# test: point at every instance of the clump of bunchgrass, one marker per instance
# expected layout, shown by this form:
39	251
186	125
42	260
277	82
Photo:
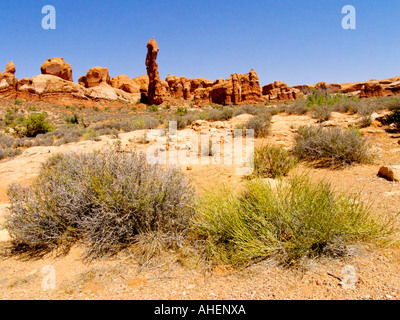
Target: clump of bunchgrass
272	162
288	221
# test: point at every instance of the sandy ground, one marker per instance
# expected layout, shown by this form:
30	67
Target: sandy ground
376	267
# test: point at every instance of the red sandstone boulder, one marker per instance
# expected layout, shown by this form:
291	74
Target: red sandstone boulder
57	67
123	82
95	77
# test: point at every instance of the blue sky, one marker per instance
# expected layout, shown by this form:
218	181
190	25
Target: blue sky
296	41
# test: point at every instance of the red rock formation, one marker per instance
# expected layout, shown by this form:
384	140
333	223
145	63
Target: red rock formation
372	88
123	82
158	89
8	82
238	89
57	67
280	91
95	77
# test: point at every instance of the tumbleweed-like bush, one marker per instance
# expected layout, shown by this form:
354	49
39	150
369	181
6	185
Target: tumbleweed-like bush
331	147
105	200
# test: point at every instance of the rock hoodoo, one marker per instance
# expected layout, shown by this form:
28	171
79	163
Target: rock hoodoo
157	91
8	82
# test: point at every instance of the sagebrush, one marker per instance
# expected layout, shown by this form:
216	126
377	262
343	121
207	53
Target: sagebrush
104	200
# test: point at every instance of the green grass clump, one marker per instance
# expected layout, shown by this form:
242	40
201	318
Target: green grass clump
331	147
289	221
272	162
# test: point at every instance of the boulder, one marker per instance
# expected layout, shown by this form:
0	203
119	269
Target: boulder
123	82
95	77
391	173
57	67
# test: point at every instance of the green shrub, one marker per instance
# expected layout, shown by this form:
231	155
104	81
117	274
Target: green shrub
104	200
331	147
153	108
34	124
181	111
272	162
289	221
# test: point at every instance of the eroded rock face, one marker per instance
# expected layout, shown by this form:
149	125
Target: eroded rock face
281	91
8	82
158	89
238	89
53	87
123	82
57	67
95	77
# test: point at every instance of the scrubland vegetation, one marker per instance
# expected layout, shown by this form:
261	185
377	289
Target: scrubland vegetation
111	200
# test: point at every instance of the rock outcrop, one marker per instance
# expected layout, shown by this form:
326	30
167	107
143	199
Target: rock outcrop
52	88
123	82
8	82
238	89
57	67
280	91
158	89
95	77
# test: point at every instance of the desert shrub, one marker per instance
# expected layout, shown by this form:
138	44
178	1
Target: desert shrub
91	134
185	120
288	221
298	107
260	124
181	111
72	119
321	112
217	114
34	124
390	103
346	106
9	152
104	200
272	162
246	109
153	108
331	147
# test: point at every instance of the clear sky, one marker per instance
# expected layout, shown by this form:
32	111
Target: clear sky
296	41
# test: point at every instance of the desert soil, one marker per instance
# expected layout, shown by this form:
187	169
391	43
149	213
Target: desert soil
377	266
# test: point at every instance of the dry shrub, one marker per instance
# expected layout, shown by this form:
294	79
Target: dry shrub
331	147
104	200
